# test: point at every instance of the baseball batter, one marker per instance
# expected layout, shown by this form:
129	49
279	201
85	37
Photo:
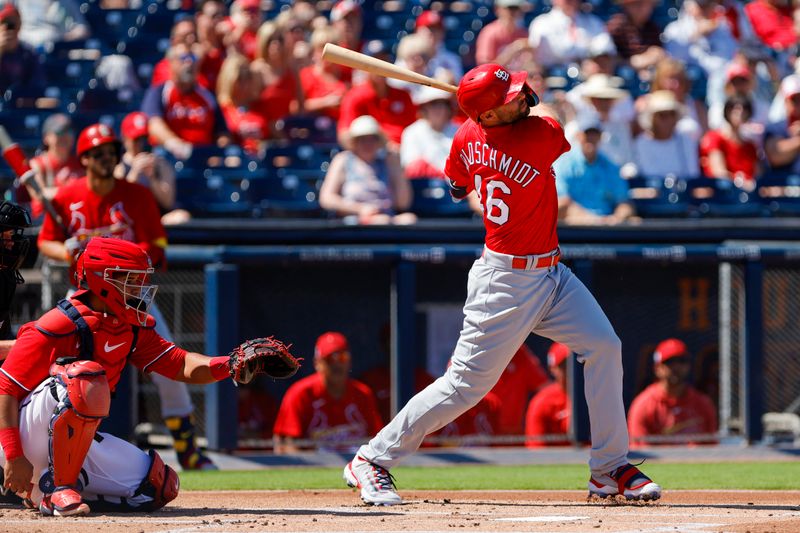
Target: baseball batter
57	382
517	287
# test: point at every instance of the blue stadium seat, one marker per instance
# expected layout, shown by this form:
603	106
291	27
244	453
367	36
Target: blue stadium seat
780	193
289	193
218	192
69	74
98	98
296	156
721	197
654	197
114	25
432	200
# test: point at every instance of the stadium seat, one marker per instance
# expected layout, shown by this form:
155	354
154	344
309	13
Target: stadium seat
98	98
780	193
654	197
432	200
114	25
289	193
218	192
721	197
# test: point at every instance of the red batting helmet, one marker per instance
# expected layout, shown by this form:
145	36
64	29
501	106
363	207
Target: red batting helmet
96	135
118	272
491	85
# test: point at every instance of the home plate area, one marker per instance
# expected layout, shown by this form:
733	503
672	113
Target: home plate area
538	511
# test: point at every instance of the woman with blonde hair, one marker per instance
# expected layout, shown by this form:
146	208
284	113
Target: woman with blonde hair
281	89
323	82
365	183
238	89
670	75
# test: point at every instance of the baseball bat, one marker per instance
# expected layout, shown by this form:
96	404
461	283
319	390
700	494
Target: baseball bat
15	158
349	58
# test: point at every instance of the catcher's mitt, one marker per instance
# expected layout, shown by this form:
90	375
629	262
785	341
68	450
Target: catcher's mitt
262	356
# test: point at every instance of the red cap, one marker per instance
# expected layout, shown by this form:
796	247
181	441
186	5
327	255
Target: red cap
737	70
134	125
249	4
329	343
488	86
557	353
342	8
668	349
8	10
429	18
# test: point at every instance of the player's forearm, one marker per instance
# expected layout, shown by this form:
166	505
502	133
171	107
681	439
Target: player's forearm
9	427
55	250
5	347
201	369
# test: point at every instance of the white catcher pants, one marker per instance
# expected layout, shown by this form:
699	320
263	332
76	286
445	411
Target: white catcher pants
503	307
113	468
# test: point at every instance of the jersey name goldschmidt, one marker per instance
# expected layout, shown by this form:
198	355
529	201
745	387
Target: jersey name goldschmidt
510	167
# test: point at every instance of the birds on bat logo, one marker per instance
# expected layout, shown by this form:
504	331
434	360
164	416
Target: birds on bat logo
501	74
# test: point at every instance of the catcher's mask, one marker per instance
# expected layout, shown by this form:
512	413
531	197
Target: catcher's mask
13	244
118	272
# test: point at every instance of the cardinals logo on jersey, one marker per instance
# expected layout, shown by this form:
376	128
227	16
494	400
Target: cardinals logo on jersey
121	223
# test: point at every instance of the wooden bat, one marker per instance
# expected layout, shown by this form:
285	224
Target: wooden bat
349	58
15	158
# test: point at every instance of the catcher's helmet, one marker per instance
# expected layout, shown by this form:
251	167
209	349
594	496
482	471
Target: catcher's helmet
13	244
96	135
118	272
490	85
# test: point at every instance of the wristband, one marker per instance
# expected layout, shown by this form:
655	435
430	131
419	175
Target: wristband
220	367
11	443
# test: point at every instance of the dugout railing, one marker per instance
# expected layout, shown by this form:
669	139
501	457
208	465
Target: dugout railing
735	305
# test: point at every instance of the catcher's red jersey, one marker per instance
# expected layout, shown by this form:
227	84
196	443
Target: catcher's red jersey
54	335
308	411
129	212
511	168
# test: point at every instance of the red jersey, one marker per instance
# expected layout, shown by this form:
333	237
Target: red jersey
511	167
548	414
379	380
129	212
394	112
54	335
316	86
308	411
772	24
740	158
55	174
654	412
483	419
194	116
276	98
522	377
249	126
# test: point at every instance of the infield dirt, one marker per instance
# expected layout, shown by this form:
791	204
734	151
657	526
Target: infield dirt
537	511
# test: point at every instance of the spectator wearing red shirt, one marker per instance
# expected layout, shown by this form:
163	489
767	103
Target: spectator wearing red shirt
182	113
392	108
19	65
184	31
323	82
725	152
549	411
240	28
281	94
237	94
328	406
671	406
210	32
522	377
58	164
501	40
347	20
772	22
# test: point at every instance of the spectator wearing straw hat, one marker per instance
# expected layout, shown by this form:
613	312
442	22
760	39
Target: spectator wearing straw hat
425	144
365	183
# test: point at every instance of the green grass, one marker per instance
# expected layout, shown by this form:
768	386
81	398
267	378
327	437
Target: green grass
756	476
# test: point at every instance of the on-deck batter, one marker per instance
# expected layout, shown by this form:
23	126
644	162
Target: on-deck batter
517	287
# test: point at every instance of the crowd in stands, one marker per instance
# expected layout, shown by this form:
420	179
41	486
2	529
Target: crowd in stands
674	92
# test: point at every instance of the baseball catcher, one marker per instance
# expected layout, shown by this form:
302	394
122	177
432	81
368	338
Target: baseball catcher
56	386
